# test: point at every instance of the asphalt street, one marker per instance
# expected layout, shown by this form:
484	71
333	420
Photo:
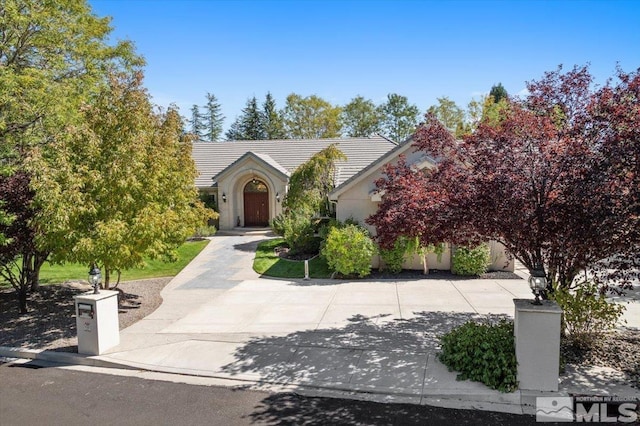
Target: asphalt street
31	394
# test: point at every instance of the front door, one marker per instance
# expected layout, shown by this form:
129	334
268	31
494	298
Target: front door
256	204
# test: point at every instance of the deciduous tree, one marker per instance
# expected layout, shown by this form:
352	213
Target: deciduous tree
20	258
361	118
119	187
400	118
311	118
555	179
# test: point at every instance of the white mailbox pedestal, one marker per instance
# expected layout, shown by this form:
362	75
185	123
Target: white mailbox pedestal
97	322
537	337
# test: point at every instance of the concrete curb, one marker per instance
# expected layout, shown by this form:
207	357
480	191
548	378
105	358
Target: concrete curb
68	358
444	398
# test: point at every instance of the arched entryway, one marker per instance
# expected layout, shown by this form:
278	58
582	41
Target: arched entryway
256	204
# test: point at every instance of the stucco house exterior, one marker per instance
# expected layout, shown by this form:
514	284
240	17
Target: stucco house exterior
249	179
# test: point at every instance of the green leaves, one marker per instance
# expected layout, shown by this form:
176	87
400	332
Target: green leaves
120	186
483	353
471	261
349	250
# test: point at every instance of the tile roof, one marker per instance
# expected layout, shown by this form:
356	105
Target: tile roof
286	155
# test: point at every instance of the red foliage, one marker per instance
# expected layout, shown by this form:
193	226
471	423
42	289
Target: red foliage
556	179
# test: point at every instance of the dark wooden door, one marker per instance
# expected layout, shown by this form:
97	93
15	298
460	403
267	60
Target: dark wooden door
256	209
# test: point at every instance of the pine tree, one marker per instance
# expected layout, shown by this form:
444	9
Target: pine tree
213	118
251	123
272	123
196	122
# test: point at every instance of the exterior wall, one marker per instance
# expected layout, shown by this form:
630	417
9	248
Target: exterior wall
232	186
356	203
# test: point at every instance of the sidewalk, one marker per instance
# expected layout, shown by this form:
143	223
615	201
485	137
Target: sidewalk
360	339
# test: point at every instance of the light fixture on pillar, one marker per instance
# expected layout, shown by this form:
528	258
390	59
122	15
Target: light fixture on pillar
537	283
94	278
224	197
278	197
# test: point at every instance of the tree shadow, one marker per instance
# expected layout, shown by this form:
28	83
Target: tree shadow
249	247
293	409
51	317
369	351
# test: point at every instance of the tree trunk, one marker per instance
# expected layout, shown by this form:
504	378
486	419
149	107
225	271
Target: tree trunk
425	265
106	278
22	299
34	276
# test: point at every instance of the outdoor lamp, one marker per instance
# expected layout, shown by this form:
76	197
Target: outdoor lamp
224	197
277	196
537	283
94	278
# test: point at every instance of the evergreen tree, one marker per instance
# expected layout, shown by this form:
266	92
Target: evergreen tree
213	118
196	122
234	133
272	124
251	123
498	93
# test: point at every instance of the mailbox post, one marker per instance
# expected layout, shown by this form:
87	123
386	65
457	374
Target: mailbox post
97	318
97	322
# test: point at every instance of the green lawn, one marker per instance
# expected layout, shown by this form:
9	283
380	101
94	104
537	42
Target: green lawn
50	274
269	264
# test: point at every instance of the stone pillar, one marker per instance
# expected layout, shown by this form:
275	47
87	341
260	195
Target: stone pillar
537	340
97	322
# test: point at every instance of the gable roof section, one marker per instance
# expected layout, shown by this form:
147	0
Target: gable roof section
376	166
211	158
260	158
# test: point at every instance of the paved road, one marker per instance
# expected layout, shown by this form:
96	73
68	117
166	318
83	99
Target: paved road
54	396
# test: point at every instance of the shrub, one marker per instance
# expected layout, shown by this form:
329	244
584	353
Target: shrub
349	250
277	224
483	353
394	258
471	261
205	231
586	313
298	233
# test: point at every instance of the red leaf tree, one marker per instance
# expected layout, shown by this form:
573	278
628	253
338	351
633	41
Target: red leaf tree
555	179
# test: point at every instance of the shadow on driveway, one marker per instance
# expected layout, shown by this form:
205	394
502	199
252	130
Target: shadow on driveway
368	353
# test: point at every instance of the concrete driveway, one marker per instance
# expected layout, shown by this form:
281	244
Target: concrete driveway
220	319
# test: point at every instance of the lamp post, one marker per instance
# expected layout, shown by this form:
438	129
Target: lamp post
94	278
537	283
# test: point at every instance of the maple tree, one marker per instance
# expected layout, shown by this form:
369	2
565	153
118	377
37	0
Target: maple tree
555	178
20	258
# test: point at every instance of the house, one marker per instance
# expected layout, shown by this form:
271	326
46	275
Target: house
249	179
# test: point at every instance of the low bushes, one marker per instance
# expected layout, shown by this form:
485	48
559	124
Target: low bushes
483	353
349	250
471	261
205	231
586	313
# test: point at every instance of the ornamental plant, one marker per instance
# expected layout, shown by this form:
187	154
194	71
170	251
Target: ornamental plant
349	250
482	352
471	261
554	177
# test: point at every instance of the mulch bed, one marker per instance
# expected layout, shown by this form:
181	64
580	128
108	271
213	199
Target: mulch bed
51	323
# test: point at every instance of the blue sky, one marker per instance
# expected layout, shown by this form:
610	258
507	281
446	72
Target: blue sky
340	49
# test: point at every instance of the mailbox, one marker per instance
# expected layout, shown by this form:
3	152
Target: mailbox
97	322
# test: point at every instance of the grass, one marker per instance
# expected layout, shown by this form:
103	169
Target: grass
51	274
268	263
